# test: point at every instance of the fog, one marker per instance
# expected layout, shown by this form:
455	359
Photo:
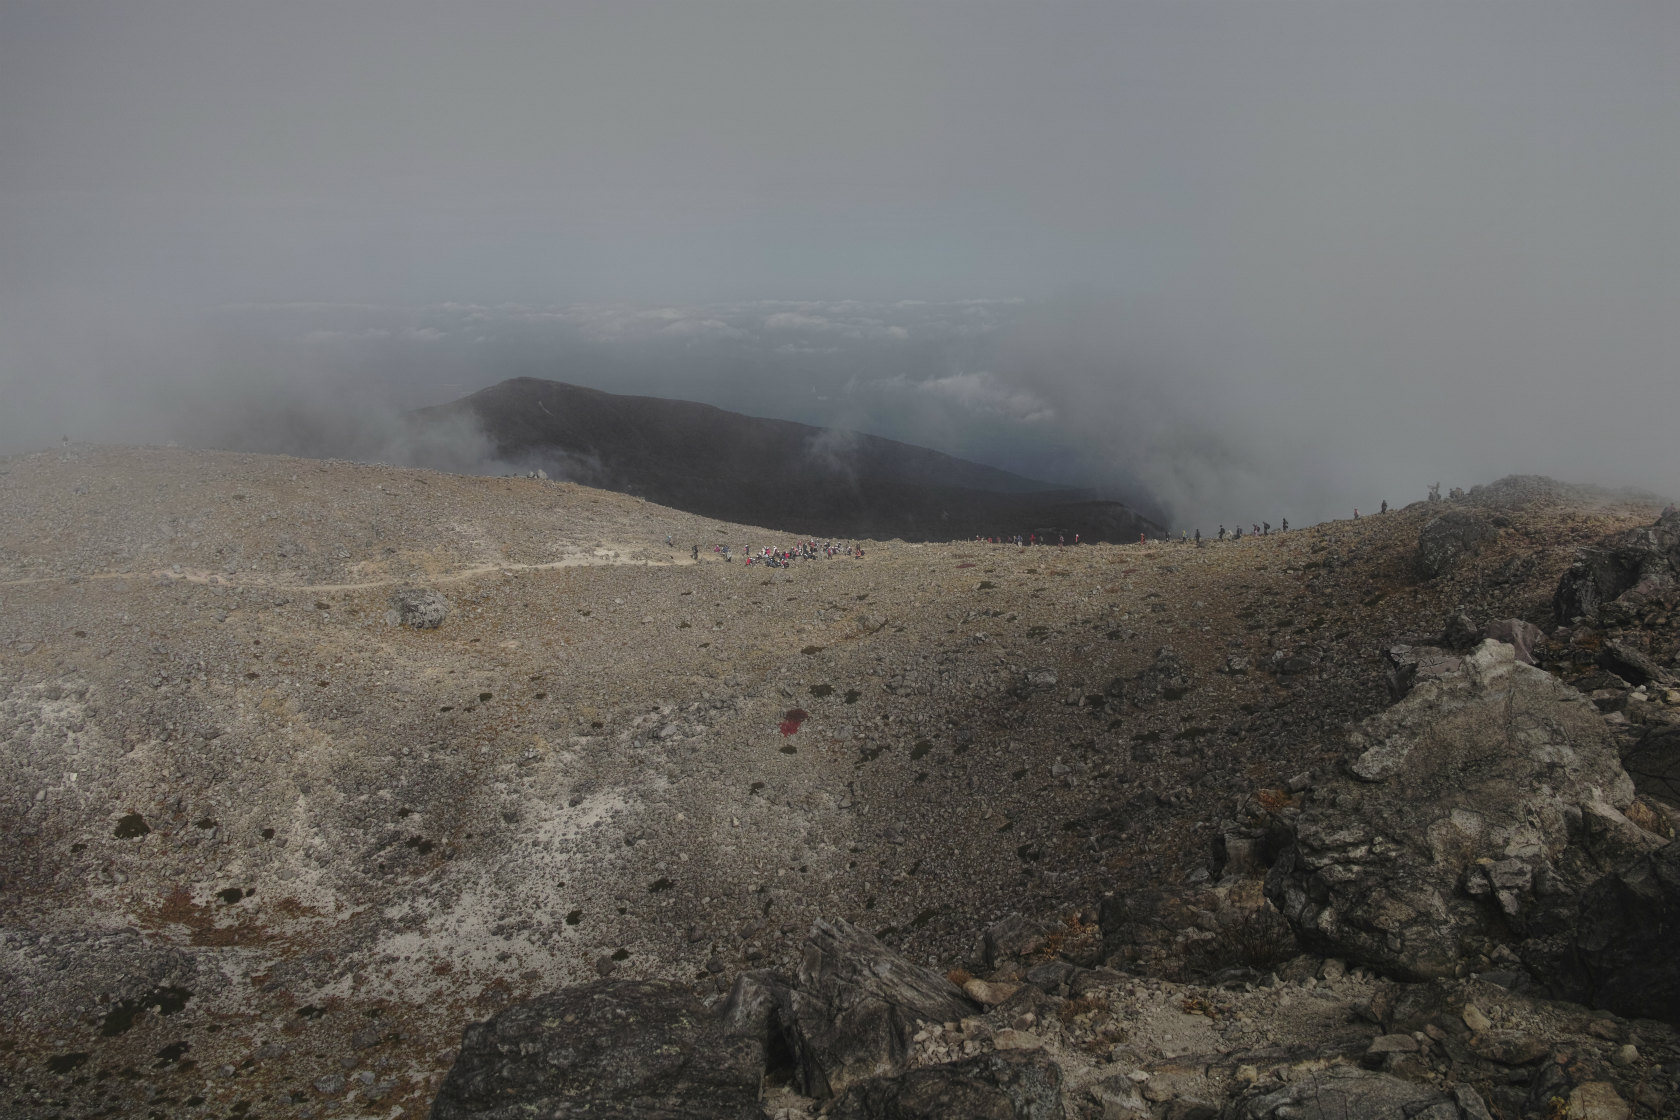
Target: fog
1237	261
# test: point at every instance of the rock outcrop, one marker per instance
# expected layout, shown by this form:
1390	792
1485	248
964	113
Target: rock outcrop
1472	816
855	1008
1653	761
1623	576
1000	1085
615	1048
1623	954
1344	1091
1447	538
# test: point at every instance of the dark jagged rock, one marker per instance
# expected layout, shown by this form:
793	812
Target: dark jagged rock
1623	576
1629	664
1001	1085
1447	538
1011	938
1473	814
1409	664
1460	634
1623	954
1343	1091
1653	762
615	1048
855	1010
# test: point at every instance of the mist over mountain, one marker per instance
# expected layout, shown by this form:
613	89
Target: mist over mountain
821	481
1248	262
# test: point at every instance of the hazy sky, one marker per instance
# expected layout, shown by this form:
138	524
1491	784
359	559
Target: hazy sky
1265	257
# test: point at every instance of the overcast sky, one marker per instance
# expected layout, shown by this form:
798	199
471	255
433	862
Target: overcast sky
1248	257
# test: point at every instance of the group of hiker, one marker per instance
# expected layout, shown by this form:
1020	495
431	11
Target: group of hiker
783	557
1256	529
803	550
816	550
1024	540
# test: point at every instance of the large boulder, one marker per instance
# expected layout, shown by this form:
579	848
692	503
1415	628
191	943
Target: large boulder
1623	955
1624	575
1001	1085
420	607
1448	537
1472	814
1653	762
854	1012
1343	1091
612	1049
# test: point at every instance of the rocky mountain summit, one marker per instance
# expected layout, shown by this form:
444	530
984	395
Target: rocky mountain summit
342	790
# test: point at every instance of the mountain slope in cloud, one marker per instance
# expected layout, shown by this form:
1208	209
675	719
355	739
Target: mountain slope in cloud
820	481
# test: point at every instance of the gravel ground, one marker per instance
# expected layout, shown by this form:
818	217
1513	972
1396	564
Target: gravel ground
268	854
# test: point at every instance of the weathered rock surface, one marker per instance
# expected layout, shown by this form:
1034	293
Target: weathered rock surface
1623	576
855	1010
1653	762
1623	953
423	608
1342	1092
1447	538
1474	813
1524	637
1001	1085
615	1048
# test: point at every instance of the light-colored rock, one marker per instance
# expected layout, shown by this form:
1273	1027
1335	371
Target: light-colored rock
1012	1039
1455	824
989	993
1597	1100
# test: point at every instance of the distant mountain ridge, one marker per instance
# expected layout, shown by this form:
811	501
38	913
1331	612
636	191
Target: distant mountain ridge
777	473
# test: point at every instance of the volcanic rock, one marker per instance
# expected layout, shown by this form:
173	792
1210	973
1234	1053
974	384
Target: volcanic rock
615	1048
856	1006
1006	1085
1623	955
1343	1091
1653	761
1524	637
1447	538
420	607
1474	812
1624	575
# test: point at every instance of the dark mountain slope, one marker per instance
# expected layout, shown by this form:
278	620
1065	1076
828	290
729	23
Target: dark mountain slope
825	482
